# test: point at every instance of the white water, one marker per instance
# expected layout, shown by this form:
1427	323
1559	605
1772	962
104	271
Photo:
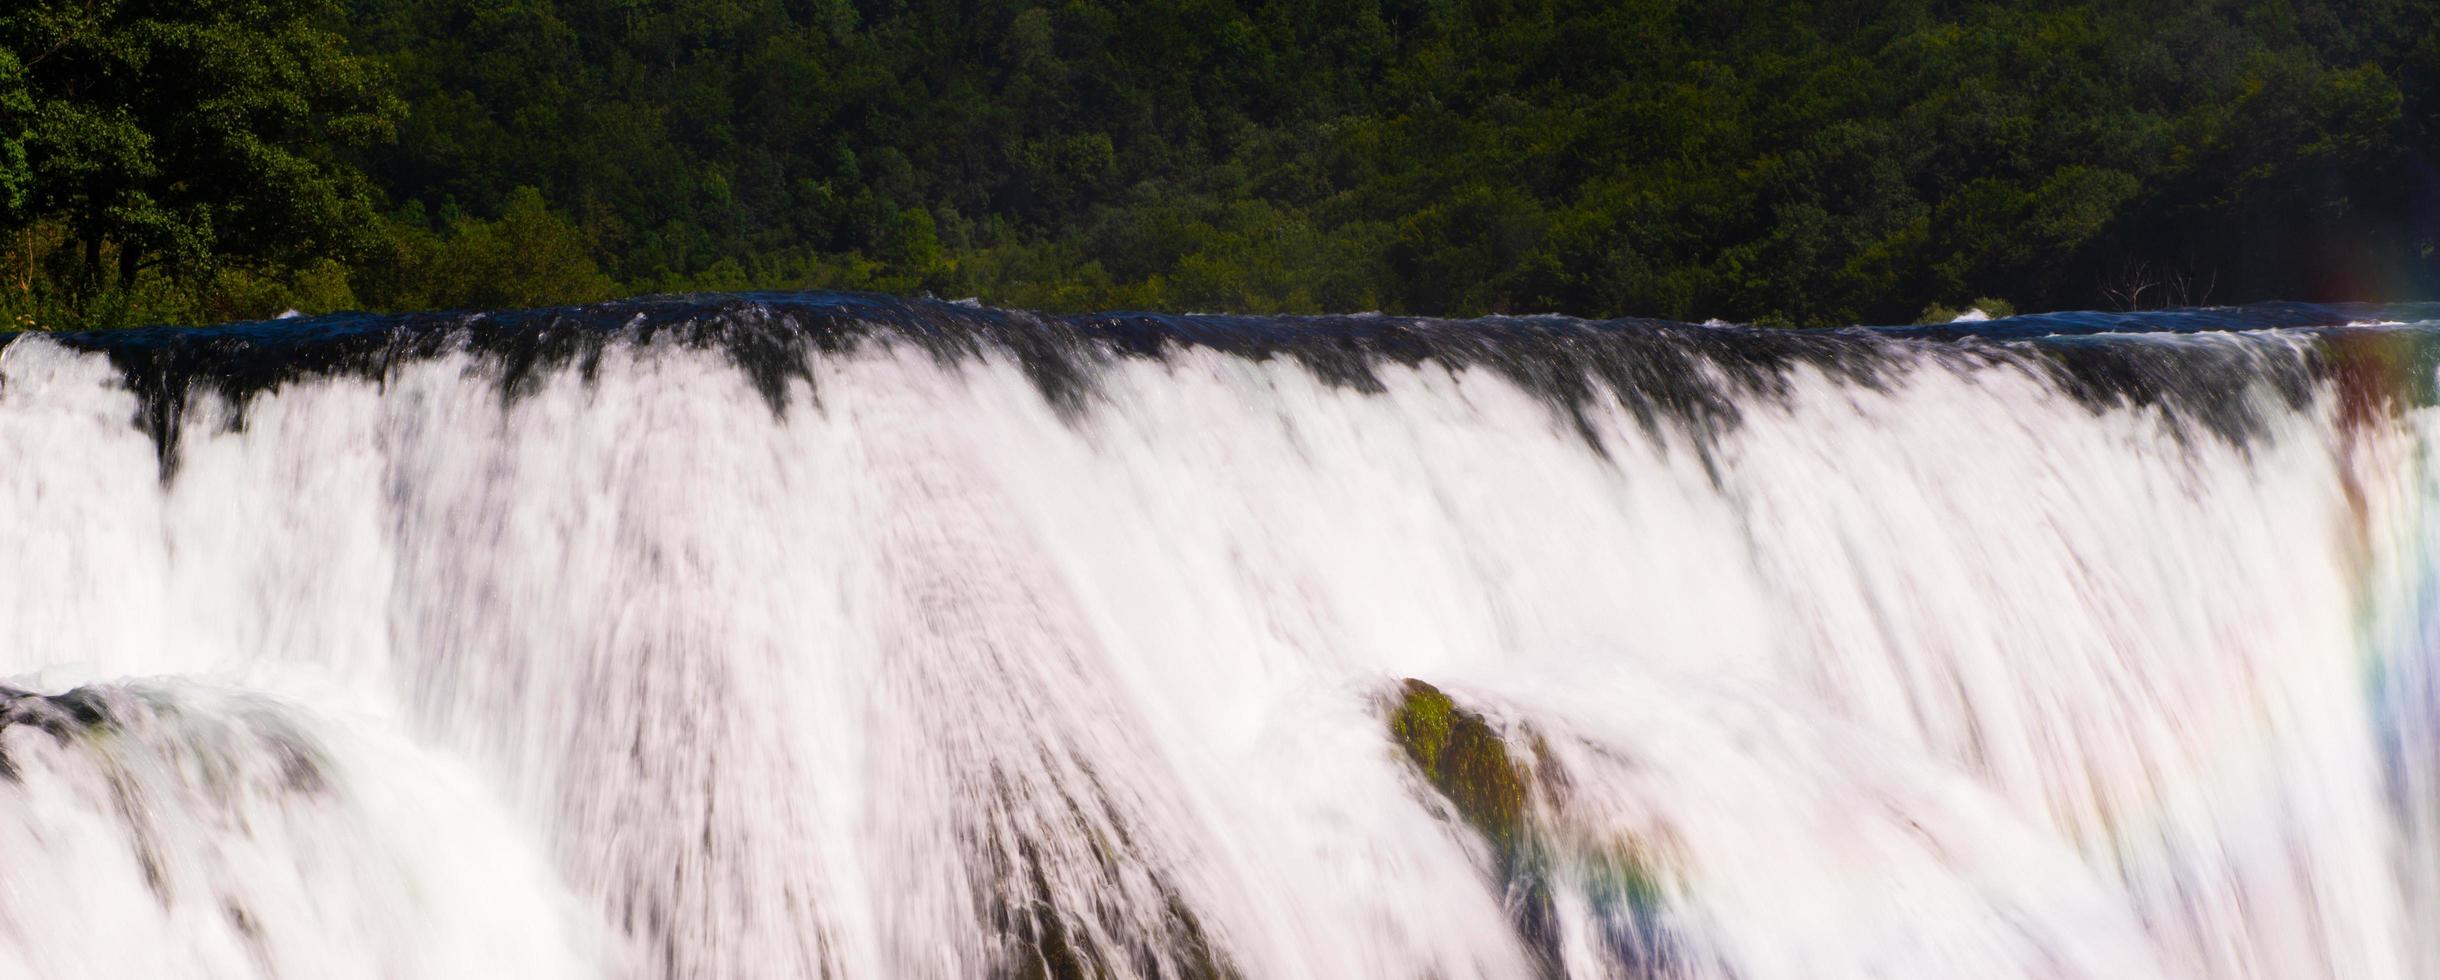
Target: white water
636	679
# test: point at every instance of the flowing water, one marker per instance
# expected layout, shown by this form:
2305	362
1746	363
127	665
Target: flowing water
828	635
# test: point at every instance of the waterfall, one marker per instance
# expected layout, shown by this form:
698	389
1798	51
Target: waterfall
837	636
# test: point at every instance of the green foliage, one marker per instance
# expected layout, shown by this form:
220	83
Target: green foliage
529	256
185	136
16	117
1800	164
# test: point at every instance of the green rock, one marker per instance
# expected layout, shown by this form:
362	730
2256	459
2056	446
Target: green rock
1466	759
1472	765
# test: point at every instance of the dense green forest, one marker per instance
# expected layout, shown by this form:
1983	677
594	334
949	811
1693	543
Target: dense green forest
1758	160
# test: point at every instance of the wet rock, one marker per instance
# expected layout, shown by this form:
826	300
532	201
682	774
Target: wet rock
61	716
1047	933
1464	758
1506	789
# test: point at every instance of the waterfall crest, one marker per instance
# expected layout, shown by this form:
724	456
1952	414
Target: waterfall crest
832	635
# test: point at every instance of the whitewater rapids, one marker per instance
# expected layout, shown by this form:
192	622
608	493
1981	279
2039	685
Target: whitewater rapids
720	640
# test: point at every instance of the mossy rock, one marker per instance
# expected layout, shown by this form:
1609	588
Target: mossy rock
1488	781
1466	759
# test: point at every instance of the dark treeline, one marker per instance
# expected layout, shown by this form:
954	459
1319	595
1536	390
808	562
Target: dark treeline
1798	163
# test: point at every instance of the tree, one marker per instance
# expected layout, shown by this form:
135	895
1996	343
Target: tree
527	258
188	134
1807	164
16	111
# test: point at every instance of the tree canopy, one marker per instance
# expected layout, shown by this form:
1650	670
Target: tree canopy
1798	163
180	136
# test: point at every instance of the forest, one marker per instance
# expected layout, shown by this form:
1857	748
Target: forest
1779	163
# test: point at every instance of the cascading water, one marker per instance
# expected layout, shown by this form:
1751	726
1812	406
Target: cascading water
793	636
